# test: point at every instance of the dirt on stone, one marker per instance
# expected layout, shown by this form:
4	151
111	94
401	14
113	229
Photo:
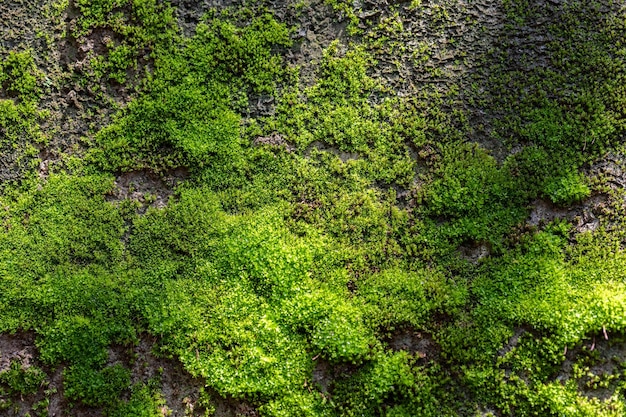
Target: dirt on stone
419	344
20	348
274	140
326	374
608	179
584	216
17	347
594	363
475	251
183	395
146	187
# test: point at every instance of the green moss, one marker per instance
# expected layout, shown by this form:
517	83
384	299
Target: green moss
256	305
136	30
96	388
347	11
145	401
336	112
20	132
22	380
189	116
567	190
303	239
399	298
390	385
18	76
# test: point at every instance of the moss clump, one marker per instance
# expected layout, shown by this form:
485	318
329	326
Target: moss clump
19	114
18	77
568	189
189	117
19	380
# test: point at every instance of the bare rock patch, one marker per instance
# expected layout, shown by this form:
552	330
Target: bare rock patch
146	187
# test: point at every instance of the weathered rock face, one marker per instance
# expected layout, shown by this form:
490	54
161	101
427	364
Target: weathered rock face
182	394
436	50
442	52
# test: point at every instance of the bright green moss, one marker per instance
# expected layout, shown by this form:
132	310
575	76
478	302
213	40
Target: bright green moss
557	303
568	189
96	388
22	381
399	298
306	404
189	116
19	124
249	295
305	238
145	401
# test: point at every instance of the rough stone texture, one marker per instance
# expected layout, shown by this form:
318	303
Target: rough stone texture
180	390
417	343
146	187
17	347
604	354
